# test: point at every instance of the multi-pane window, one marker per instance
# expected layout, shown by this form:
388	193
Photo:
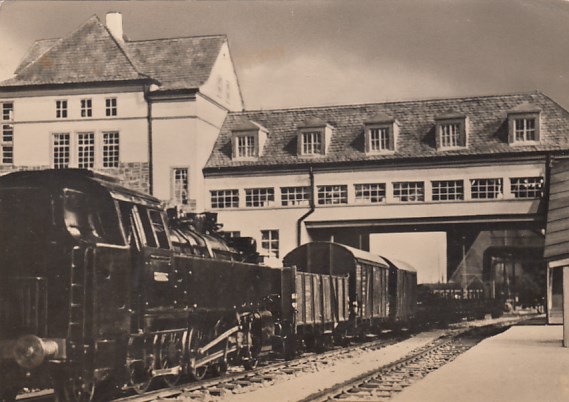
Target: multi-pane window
482	189
332	195
61	150
111	149
180	185
409	191
450	135
312	143
61	109
270	243
7	154
7	111
245	146
379	139
525	129
7	143
224	199
110	106
86	108
294	196
370	193
259	197
448	190
85	150
527	187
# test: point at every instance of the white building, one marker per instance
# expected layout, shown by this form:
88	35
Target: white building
146	111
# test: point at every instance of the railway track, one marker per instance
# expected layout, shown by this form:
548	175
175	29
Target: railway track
241	381
383	383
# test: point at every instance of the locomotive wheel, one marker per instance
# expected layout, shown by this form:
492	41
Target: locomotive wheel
140	377
171	355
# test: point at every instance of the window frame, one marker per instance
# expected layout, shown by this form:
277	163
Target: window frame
273	251
401	198
111	106
461	138
61	109
253	148
362	199
438	196
513	118
7	111
7	144
55	154
185	187
85	150
109	158
475	193
229	194
86	107
260	197
304	145
339	196
290	196
516	192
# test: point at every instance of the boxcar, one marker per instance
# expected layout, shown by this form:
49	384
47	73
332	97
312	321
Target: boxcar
368	273
402	292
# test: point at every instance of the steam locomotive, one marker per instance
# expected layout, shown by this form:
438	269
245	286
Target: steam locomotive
100	290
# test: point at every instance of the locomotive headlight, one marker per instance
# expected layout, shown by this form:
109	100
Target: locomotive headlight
30	351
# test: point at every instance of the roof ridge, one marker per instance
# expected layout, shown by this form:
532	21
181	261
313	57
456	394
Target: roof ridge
417	100
58	42
124	52
20	67
178	38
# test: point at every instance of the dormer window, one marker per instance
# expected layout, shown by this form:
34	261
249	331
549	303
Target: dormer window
451	131
314	137
380	133
248	139
312	143
524	124
246	146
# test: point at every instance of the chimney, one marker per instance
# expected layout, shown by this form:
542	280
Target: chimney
114	25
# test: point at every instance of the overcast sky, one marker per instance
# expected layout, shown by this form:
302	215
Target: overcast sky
290	54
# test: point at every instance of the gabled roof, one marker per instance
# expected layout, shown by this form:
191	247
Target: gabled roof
91	55
180	63
488	131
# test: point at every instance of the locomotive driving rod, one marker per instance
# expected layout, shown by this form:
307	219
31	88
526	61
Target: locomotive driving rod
220	338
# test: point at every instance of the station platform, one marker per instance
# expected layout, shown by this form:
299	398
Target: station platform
526	363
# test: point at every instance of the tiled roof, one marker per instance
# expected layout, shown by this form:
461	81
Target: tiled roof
488	130
91	54
181	63
38	48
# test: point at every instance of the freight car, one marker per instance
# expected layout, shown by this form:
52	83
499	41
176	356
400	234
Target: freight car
450	302
99	292
382	293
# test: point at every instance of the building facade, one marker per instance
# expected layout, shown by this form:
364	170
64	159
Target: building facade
147	112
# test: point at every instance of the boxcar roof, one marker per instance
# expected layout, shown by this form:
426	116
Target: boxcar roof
402	265
360	254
